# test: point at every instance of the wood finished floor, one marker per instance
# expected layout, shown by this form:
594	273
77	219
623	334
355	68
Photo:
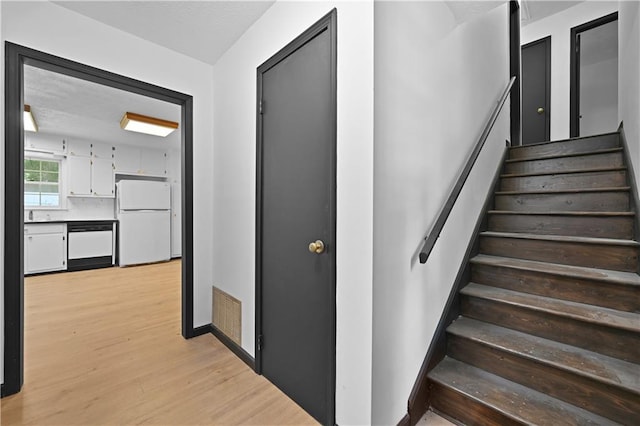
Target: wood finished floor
103	347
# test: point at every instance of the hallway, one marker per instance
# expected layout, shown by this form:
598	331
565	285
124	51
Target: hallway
104	347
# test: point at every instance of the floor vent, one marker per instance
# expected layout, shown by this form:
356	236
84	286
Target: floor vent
227	314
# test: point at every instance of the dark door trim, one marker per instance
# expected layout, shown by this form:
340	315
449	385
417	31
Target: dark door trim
326	23
574	88
514	71
16	57
547	88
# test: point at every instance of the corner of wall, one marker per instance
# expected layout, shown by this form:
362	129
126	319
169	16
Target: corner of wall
629	79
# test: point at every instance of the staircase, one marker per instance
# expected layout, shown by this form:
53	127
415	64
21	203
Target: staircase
549	331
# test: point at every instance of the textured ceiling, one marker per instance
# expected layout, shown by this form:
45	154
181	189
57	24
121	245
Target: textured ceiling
533	10
200	29
71	107
466	10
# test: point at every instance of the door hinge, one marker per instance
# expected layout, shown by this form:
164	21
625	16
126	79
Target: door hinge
260	342
261	106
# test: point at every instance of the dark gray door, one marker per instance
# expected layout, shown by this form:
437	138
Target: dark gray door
296	196
536	91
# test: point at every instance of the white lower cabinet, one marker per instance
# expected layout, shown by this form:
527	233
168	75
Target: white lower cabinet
45	247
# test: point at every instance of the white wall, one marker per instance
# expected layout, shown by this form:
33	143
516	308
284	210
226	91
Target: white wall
559	26
599	97
435	85
47	27
234	181
628	77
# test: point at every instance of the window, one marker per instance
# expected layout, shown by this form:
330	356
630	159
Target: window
41	183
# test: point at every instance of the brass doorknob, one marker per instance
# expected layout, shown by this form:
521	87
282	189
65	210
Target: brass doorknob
540	110
316	247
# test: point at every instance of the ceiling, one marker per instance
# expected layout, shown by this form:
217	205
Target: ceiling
75	108
71	107
534	10
203	30
531	10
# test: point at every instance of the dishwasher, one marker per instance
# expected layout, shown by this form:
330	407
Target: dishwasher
90	245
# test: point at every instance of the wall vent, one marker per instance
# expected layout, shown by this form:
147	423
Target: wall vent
227	315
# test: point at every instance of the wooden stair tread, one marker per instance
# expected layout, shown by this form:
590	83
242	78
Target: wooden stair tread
581	272
561	308
560	213
565	172
511	399
560	141
554	156
602	368
561	238
566	191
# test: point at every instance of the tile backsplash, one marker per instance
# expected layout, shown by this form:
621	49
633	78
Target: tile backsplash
77	208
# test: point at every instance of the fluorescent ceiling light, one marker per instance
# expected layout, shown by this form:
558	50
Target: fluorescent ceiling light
29	122
149	125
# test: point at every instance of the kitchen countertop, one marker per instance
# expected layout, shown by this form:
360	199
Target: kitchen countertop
37	222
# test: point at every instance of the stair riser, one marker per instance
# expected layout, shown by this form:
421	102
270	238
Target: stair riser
615	257
586	202
608	295
610	179
465	409
613	159
566	147
610	341
585	226
606	400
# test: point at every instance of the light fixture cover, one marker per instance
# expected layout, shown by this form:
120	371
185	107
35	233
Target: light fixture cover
145	124
29	122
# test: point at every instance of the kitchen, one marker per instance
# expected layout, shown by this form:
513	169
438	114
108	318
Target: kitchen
97	195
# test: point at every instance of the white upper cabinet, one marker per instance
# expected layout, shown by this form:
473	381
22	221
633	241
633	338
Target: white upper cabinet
90	170
45	143
140	161
79	173
127	159
77	148
102	150
153	162
102	177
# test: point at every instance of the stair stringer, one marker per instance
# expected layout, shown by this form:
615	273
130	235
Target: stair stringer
418	402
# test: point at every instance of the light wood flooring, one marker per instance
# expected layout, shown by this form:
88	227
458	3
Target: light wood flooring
104	347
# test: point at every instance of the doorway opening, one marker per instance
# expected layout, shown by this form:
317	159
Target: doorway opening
16	58
594	77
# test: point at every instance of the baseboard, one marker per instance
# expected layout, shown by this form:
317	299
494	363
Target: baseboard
405	421
199	331
233	347
418	402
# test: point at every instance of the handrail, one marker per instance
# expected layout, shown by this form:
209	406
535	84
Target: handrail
436	229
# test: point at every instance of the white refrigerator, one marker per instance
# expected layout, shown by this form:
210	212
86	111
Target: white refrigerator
143	210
